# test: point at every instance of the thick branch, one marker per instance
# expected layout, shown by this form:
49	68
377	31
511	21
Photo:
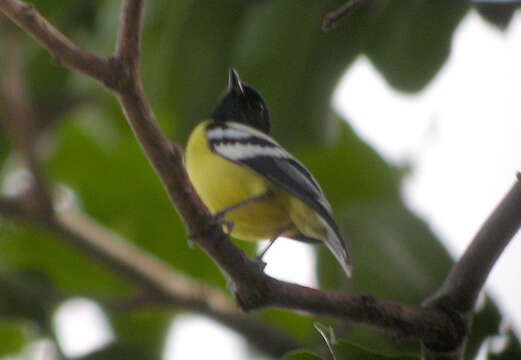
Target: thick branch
397	319
459	292
466	279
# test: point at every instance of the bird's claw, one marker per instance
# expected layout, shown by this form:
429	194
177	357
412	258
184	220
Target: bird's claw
260	263
226	223
191	241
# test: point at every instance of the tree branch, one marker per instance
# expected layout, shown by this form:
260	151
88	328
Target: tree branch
19	121
253	288
162	285
166	286
63	50
127	48
467	277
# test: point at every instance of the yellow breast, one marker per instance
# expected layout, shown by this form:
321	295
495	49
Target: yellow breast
221	183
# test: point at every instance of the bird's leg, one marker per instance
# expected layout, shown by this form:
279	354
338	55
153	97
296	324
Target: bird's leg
222	213
219	216
258	259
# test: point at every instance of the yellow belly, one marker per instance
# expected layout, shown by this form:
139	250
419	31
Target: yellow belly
221	183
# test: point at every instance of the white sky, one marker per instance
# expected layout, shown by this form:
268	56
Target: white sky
462	135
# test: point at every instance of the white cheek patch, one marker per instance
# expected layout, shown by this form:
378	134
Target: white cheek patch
238	151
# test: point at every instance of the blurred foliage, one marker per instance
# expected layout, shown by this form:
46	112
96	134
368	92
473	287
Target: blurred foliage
188	45
347	350
145	329
301	355
12	338
118	351
499	13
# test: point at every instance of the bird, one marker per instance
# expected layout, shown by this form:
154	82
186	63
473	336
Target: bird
252	183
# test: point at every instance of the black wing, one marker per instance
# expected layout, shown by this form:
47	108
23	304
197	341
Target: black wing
258	152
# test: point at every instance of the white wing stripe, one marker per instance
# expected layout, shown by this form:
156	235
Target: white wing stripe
235	131
226	133
238	151
251	132
241	143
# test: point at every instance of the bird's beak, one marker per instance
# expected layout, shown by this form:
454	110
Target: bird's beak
234	82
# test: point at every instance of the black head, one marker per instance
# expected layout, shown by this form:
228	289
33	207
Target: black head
242	103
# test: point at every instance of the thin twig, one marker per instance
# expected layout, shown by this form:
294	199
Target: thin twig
331	20
127	48
63	50
19	120
110	249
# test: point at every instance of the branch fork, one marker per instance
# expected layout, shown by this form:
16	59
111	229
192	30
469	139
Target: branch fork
442	324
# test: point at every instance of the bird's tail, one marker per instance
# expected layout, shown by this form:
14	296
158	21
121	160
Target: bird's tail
336	244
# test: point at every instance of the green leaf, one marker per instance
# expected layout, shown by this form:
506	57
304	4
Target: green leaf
296	70
118	351
12	338
191	42
301	355
30	248
410	40
4	146
300	326
344	350
388	259
25	295
144	328
115	184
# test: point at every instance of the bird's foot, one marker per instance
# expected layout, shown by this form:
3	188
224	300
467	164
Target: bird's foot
227	225
259	262
230	285
190	239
